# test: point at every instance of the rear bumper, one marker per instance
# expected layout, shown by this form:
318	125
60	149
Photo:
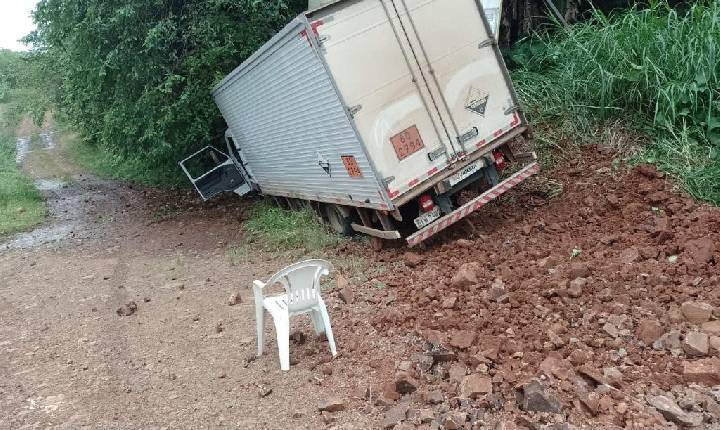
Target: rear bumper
473	205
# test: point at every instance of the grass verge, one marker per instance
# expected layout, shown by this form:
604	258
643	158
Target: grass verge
105	164
21	204
657	70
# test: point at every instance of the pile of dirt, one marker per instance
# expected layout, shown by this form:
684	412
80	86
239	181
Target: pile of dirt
594	308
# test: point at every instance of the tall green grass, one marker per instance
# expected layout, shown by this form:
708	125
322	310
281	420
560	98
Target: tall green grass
656	69
275	228
21	205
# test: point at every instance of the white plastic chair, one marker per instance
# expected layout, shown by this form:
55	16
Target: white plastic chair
302	295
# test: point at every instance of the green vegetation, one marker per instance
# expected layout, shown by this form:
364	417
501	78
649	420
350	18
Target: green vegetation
133	78
274	228
656	72
21	205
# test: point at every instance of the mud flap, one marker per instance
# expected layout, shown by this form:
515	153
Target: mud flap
212	172
473	205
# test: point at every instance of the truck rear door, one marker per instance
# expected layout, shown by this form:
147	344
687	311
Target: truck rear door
456	47
367	53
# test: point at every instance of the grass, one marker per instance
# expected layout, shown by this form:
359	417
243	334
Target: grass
21	204
293	233
105	164
656	71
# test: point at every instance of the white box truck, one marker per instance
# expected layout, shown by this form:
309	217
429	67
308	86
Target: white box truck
377	113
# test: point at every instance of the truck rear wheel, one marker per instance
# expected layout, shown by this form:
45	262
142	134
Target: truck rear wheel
339	220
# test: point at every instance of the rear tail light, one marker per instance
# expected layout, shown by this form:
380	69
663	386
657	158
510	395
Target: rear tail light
500	162
426	203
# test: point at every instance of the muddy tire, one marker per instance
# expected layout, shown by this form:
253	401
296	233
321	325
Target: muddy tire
338	221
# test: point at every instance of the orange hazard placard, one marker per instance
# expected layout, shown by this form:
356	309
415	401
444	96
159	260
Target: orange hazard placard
351	166
407	142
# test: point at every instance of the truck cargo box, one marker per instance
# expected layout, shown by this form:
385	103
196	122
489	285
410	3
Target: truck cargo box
370	103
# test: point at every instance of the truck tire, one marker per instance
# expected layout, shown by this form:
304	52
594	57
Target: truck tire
338	220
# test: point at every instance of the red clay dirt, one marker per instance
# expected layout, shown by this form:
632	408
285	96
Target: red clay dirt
573	291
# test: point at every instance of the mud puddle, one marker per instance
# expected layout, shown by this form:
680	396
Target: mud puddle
76	206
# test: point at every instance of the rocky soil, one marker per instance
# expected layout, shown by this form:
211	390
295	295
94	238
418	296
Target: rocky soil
595	309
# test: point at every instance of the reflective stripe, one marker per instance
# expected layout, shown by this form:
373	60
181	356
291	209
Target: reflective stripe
473	205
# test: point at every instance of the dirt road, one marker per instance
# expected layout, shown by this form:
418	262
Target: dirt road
593	309
185	358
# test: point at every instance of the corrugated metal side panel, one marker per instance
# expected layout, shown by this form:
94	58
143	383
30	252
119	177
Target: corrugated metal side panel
285	113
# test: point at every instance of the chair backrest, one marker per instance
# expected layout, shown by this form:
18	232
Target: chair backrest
302	283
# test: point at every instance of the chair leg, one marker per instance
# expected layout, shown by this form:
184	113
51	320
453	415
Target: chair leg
318	323
328	328
282	328
260	323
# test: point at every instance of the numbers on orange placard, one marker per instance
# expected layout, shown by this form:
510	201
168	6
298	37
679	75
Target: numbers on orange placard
407	142
351	166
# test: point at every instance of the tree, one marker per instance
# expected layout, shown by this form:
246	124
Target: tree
134	77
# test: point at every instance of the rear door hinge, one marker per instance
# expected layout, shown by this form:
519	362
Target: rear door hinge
353	110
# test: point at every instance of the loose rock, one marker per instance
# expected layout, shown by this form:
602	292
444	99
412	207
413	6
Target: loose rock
648	331
671	411
696	312
705	371
465	277
234	299
332	405
696	344
475	385
532	397
127	309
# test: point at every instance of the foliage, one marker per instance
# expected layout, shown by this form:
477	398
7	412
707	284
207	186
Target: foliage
133	78
656	68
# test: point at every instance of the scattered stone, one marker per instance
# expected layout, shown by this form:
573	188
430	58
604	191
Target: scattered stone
423	362
714	343
462	339
696	344
465	243
700	251
454	421
395	415
175	286
705	371
671	411
576	287
219	327
147	299
532	397
332	404
434	397
497	291
449	303
345	293
404	383
264	391
127	309
630	256
475	385
712	328
554	366
412	259
670	340
465	277
326	369
611	330
298	337
457	372
696	312
648	331
234	299
613	375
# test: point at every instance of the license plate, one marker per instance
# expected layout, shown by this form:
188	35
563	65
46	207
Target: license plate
427	218
466	172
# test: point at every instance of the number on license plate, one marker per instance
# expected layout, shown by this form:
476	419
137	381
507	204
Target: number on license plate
427	218
465	173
